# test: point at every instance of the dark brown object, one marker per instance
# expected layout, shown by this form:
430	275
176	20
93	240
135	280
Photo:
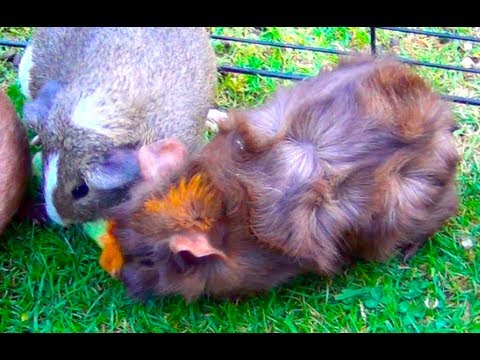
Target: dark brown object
14	161
354	163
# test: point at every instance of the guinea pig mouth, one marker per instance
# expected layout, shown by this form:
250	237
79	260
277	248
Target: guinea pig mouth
139	282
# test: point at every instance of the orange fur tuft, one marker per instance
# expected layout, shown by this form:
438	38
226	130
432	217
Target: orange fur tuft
192	204
111	259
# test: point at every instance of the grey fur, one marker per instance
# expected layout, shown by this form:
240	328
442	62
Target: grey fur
148	84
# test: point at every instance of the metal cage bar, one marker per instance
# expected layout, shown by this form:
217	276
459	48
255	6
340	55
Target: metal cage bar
13	43
373	50
444	35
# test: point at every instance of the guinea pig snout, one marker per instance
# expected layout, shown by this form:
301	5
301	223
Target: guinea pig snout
139	280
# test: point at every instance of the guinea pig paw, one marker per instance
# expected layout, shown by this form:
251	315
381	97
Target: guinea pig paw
410	250
33	211
214	117
38	214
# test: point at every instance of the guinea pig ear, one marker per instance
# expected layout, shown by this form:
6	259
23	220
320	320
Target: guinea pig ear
161	158
195	243
118	169
36	111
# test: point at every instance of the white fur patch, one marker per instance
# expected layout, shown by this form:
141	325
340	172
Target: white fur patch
50	186
214	117
26	64
86	115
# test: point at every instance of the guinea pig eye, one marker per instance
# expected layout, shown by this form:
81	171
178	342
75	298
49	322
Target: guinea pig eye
80	190
239	148
240	145
147	262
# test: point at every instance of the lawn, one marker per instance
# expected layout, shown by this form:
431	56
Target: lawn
50	280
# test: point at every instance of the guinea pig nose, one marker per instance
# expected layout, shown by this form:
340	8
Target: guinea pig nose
80	190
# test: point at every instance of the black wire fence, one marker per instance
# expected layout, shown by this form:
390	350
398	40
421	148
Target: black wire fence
374	49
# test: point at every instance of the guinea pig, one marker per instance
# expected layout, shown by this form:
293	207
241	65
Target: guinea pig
96	95
187	238
355	163
14	161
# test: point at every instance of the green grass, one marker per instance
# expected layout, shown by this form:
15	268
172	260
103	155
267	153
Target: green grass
50	280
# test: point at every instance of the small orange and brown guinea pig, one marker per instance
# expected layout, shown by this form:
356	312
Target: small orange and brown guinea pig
355	163
14	161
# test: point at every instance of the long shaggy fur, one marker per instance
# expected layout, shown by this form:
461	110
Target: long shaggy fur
358	162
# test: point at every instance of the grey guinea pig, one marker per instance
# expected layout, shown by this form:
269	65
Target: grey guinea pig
14	161
98	94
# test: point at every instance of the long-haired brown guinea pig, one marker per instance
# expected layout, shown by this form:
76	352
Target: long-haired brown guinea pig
14	161
355	163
